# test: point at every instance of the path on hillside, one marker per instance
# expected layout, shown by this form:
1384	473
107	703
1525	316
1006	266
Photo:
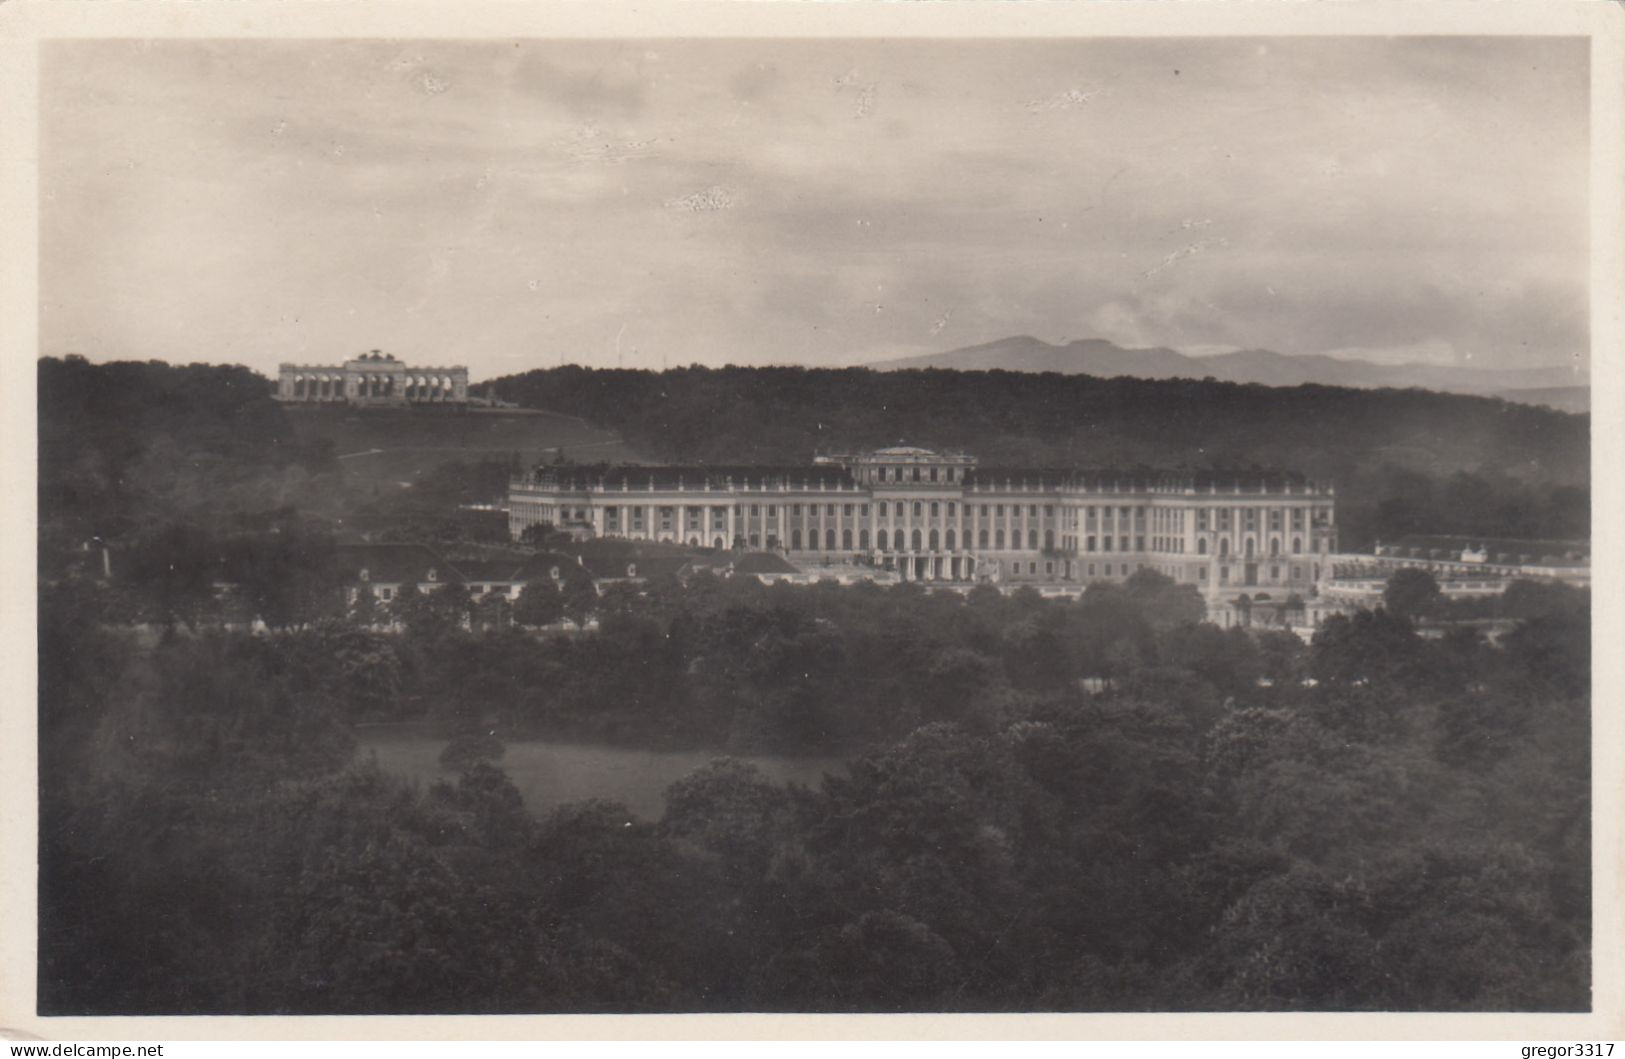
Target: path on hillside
471	449
396	446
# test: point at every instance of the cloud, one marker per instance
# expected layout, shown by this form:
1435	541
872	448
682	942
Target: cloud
614	88
1435	351
589	144
706	200
431	83
755	82
1071	99
1173	257
863	91
1304	195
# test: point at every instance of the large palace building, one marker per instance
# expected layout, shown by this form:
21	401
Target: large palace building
934	516
372	380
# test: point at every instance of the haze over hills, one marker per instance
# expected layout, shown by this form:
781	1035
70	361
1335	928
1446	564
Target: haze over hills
1575	399
1558	387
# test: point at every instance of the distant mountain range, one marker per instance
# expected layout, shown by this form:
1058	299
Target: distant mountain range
1556	387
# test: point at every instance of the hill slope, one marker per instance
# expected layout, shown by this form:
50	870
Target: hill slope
398	445
126	448
1575	399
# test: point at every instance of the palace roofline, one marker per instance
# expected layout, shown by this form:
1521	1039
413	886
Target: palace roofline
658	477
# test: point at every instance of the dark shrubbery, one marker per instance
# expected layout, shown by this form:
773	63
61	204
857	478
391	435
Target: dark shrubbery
1408	832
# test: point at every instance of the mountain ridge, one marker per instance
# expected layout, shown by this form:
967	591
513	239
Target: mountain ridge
1099	357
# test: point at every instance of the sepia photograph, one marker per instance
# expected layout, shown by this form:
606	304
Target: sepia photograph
834	523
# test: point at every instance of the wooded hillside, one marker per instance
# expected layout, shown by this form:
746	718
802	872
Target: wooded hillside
1402	459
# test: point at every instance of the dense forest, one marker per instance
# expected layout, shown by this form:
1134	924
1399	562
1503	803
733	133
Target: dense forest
1403	461
128	445
1095	804
128	449
193	472
1220	820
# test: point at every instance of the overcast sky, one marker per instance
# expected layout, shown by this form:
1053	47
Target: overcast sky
511	205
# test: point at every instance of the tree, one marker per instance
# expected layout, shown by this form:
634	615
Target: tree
1368	647
880	961
359	668
286	574
431	609
1228	659
365	611
1280	655
1296	942
1411	593
729	810
1553	650
539	604
544	535
171	574
491	611
958	683
1530	599
1163	601
580	596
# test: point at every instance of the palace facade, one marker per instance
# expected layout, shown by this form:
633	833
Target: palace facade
935	516
373	379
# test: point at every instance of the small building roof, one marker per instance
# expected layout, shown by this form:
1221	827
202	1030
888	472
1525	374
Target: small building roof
610	558
395	564
1559	550
615	566
512	569
540	567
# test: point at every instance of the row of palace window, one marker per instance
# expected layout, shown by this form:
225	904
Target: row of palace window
1247	548
919	540
896	509
829	509
975	510
830	540
1224	574
667	514
1165	519
1032	568
1094	543
985	538
1226	518
1124	569
1123	514
916	474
